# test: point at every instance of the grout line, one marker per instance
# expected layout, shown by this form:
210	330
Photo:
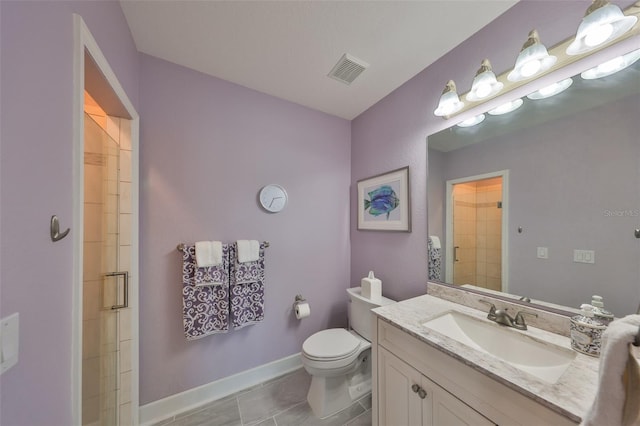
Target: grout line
239	410
359	415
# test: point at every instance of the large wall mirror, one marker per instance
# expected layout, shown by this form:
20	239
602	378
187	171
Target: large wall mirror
544	202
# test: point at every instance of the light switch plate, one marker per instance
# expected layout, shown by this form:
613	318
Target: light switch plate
543	252
9	341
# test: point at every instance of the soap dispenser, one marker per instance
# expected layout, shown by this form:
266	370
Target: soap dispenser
599	311
586	331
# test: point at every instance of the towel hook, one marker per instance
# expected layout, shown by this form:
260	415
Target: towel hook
55	229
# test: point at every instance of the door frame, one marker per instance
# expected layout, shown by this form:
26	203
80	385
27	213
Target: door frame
84	41
504	174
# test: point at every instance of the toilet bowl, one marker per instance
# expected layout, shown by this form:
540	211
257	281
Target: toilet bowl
339	360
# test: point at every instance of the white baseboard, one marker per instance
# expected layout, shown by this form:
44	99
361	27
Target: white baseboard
192	398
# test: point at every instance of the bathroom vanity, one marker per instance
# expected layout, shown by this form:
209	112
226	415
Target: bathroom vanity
425	375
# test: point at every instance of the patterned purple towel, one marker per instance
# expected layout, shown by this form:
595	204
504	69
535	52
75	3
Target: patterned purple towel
205	306
434	261
247	289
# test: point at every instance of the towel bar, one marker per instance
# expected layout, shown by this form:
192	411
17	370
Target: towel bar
180	246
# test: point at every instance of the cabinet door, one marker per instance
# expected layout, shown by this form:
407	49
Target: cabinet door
400	400
450	411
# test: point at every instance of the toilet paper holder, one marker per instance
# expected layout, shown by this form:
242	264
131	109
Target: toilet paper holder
299	299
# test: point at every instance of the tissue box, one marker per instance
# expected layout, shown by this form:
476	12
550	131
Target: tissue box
371	287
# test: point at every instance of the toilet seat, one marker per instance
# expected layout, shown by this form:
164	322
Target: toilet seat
331	345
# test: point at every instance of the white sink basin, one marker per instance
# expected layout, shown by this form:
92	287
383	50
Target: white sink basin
544	361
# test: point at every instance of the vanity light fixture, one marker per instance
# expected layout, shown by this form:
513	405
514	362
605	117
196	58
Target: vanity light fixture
551	90
484	84
612	66
603	22
449	101
469	122
532	60
507	108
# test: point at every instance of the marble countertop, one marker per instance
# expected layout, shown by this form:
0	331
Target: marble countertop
571	396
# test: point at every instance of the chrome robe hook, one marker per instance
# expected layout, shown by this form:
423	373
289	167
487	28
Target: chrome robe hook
55	229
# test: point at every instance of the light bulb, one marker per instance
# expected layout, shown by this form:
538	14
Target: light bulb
546	91
602	23
484	83
611	65
530	68
483	90
598	35
507	108
551	90
532	60
449	101
472	121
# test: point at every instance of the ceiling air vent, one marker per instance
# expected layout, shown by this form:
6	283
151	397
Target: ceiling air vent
347	69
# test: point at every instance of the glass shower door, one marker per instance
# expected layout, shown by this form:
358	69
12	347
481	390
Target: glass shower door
477	233
104	286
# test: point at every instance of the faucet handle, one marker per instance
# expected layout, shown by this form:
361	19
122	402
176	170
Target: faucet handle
492	309
519	320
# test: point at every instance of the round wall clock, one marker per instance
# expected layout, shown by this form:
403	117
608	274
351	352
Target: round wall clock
273	198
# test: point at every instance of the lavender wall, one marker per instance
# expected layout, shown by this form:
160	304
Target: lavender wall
36	175
393	133
562	182
208	146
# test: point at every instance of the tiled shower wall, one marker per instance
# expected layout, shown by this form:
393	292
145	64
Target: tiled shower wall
465	224
478	233
489	234
106	333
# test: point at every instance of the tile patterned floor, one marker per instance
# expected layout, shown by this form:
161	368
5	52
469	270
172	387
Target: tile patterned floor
278	402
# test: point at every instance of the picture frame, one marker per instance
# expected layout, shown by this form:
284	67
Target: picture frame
384	202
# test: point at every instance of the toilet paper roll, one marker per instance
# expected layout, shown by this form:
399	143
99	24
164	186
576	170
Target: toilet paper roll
302	310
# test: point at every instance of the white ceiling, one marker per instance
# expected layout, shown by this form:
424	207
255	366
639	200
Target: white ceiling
287	48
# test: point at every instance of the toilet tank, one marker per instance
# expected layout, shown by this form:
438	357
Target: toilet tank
360	311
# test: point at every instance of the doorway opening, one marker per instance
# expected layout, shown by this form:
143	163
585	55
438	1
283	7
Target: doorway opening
476	231
105	318
106	325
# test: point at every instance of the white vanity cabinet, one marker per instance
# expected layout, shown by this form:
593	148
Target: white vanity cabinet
454	393
410	399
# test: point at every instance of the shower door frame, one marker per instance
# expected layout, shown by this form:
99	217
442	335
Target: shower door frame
449	245
84	42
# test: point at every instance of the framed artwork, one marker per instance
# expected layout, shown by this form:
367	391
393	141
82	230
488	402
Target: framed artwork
383	202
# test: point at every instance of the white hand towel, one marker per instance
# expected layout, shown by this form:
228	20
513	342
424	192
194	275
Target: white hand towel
248	251
208	253
607	408
631	412
435	242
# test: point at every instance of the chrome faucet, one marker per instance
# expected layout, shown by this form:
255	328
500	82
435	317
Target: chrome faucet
501	316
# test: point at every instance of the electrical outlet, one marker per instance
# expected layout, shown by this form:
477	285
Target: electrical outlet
584	256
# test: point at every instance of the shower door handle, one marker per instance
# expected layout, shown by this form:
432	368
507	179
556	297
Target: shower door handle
125	299
455	254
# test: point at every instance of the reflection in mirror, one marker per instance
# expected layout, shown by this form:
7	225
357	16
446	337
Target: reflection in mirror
560	226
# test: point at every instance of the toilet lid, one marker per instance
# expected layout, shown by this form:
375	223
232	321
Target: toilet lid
332	343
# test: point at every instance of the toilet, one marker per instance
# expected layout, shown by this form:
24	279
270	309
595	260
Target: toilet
339	360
